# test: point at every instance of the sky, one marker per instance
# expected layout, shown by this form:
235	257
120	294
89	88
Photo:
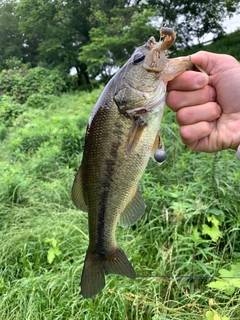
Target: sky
232	24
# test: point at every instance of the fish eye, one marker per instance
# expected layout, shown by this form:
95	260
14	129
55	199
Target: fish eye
138	57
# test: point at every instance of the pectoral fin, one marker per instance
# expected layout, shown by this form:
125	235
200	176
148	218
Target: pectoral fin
135	134
133	211
77	192
177	66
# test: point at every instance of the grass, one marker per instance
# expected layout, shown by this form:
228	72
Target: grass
44	238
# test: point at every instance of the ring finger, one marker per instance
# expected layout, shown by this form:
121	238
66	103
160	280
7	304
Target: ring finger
209	111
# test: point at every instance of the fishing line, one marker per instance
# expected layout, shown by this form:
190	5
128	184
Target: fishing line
186	277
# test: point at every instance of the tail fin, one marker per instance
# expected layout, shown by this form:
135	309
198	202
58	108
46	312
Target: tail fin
96	266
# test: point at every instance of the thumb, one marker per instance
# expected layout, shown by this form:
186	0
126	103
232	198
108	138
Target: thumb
213	63
205	60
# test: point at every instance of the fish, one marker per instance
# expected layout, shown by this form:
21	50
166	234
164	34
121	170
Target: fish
121	135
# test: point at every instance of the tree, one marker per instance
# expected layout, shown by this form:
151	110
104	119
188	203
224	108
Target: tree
11	39
96	36
56	30
194	19
120	26
117	28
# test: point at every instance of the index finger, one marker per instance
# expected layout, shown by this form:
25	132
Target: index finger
188	81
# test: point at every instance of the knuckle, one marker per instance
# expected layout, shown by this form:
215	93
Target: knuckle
184	116
186	134
214	111
172	99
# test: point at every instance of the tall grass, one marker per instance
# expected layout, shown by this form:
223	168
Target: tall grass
189	232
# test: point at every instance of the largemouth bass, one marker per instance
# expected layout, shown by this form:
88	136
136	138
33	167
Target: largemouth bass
122	134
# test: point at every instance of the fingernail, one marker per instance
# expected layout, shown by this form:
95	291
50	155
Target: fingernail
212	93
201	79
219	110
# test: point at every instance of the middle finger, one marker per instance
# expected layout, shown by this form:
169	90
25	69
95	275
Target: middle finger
179	99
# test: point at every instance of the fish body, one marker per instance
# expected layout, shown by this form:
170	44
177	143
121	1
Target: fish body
121	135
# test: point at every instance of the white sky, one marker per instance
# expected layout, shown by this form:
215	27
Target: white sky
232	24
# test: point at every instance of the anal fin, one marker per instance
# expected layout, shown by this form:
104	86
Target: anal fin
133	211
77	192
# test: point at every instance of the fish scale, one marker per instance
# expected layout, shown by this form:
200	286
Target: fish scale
122	134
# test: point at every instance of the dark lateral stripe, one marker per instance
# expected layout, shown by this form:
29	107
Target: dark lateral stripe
106	185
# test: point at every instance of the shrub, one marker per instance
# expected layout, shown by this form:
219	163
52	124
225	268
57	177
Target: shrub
38	101
9	110
72	143
3	132
28	140
22	83
14	184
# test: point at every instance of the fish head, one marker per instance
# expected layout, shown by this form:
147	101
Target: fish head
140	85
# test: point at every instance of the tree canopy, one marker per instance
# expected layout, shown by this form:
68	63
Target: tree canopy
96	36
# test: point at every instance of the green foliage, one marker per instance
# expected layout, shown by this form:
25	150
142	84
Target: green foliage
3	132
14	63
39	101
53	251
114	40
213	315
54	32
72	142
11	38
28	140
9	109
96	37
212	231
23	83
193	19
229	281
120	27
14	183
23	89
227	44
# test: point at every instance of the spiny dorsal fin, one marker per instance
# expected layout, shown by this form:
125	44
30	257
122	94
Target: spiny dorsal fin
133	211
77	192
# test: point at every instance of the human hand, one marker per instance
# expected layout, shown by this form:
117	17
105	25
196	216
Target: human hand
208	106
